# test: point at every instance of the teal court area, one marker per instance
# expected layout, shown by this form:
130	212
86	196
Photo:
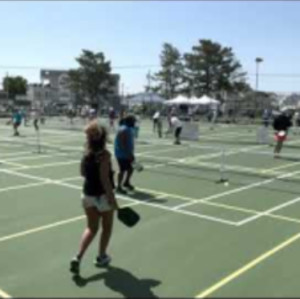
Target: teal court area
198	236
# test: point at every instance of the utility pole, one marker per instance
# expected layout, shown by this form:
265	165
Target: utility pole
149	80
7	91
258	60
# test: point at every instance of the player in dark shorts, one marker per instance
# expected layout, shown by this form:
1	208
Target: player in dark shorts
124	152
112	117
17	120
281	124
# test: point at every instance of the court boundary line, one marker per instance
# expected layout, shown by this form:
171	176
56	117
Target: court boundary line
225	206
60	183
3	294
166	194
179	207
227	279
240	189
23	186
268	211
49	226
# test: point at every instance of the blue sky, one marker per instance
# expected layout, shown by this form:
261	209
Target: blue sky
52	34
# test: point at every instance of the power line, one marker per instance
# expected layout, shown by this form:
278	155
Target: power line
59	68
279	75
140	66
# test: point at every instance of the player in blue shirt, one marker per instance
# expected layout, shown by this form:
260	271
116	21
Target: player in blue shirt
17	120
124	152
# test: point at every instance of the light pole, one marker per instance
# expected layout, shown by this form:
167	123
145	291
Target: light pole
258	60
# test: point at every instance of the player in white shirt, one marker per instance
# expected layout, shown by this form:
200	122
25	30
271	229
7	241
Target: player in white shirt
155	119
177	126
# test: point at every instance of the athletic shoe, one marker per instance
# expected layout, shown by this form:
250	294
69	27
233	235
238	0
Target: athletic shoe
75	265
102	261
129	187
121	190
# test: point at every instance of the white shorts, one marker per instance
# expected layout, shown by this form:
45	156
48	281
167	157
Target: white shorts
99	202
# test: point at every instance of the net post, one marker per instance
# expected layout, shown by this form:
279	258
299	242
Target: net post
223	178
38	141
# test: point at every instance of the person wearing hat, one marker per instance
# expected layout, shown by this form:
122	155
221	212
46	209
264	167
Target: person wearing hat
124	152
98	199
281	124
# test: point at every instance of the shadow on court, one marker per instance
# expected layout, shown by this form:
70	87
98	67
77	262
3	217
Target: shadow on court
145	196
121	281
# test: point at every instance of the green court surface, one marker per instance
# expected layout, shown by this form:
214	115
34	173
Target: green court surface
198	236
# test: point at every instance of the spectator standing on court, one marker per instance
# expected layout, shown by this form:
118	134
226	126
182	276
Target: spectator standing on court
177	126
159	127
111	116
137	126
122	116
266	117
16	120
214	116
281	124
98	199
155	118
124	152
92	114
36	117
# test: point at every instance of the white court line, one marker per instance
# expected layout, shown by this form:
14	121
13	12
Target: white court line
189	213
41	228
11	163
22	186
4	294
240	189
161	194
36	157
227	279
7	155
198	215
25	167
161	151
60	183
280	167
214	204
48	226
269	211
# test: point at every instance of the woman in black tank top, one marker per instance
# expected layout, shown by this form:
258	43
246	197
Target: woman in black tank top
97	190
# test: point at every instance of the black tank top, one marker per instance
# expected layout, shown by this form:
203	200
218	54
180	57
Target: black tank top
90	170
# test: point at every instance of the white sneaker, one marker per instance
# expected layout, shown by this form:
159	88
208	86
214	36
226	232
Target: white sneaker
102	261
75	265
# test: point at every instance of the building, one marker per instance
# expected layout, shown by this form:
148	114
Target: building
57	82
39	95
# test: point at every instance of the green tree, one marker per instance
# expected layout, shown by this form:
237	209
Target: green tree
93	78
169	78
75	84
211	68
15	86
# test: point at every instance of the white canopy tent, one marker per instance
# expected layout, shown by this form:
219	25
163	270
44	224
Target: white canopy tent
145	98
179	100
204	100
